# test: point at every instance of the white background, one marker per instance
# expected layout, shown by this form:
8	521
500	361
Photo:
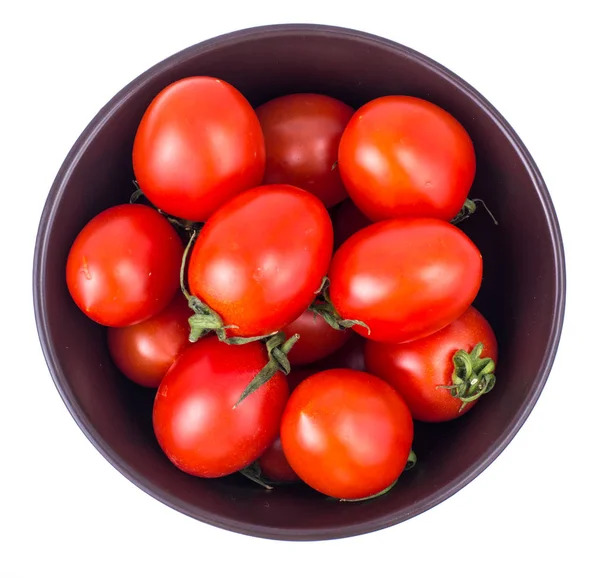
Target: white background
65	511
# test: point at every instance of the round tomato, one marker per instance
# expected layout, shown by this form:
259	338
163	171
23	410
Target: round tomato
198	145
317	338
259	261
418	369
274	465
405	278
145	351
124	265
346	433
347	220
402	156
197	421
302	135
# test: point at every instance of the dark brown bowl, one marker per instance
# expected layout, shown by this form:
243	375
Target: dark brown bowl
523	292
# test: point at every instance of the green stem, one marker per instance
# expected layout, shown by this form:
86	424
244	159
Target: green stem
411	462
254	473
277	349
377	495
469	207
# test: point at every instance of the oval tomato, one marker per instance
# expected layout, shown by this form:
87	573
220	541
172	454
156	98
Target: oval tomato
260	259
196	420
405	278
347	220
145	351
346	433
317	338
198	145
417	369
402	156
274	465
302	135
124	265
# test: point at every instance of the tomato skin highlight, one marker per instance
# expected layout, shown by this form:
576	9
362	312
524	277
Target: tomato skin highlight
405	278
317	338
274	465
198	145
261	258
302	135
346	433
145	351
195	417
416	369
123	267
402	156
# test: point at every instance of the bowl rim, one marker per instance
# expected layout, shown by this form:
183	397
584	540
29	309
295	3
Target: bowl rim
256	529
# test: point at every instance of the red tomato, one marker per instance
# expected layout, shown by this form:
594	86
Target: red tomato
405	278
317	338
346	433
196	420
302	136
123	267
145	351
198	145
261	258
347	220
416	369
401	156
274	465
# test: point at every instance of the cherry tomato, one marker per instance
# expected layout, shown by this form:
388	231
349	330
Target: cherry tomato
274	465
196	420
402	156
317	338
260	259
346	433
405	278
123	267
145	351
418	368
198	145
347	220
302	136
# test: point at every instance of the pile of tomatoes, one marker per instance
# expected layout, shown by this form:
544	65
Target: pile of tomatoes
291	280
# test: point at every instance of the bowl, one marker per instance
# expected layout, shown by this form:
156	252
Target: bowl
523	291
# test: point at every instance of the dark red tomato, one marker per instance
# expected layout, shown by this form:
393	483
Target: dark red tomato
416	369
297	376
405	278
274	465
261	258
347	220
196	420
317	338
302	136
198	145
401	156
123	267
350	356
145	351
346	433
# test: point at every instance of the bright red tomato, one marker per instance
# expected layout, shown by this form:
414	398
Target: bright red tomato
346	433
402	156
405	278
302	136
274	465
124	265
417	369
145	351
317	338
196	420
198	145
261	258
347	220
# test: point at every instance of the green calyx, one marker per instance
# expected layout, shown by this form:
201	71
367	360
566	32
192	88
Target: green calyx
278	348
469	207
323	306
254	473
473	376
